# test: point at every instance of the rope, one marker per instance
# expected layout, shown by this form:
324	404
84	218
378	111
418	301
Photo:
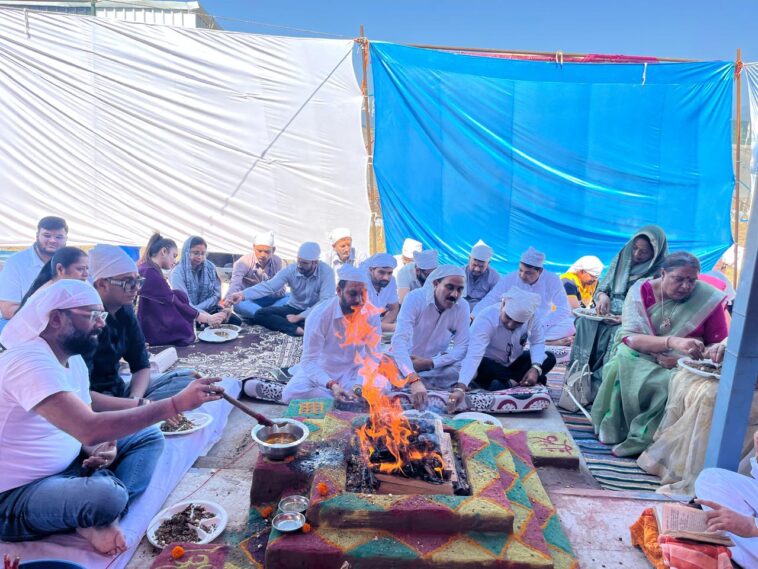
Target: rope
644	74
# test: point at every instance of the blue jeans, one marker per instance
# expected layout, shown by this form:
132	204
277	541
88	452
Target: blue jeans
79	497
248	308
168	384
3	322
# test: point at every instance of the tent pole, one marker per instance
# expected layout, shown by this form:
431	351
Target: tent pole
373	196
738	164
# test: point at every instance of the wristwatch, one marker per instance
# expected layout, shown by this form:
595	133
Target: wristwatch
538	367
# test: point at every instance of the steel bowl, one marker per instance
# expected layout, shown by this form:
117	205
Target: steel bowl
288	521
293	504
261	434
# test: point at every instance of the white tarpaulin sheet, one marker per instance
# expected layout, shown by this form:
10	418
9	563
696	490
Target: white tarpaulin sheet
126	128
751	71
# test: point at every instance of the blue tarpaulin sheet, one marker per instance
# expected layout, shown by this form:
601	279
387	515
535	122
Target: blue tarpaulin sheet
571	159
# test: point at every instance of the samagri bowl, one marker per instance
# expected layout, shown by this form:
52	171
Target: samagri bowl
280	451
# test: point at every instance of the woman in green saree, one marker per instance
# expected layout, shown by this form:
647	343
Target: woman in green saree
663	319
641	257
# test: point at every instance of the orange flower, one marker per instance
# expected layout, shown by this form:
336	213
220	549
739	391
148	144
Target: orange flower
322	489
267	511
177	552
307	527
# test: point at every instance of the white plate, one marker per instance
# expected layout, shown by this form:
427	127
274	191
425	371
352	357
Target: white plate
206	535
200	419
218	335
682	364
476	416
581	313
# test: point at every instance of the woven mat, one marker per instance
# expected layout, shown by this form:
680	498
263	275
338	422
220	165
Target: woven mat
611	472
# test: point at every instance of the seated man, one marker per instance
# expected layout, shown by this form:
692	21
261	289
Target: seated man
66	467
328	368
413	275
480	277
731	500
410	246
260	265
382	288
117	282
554	312
310	281
342	252
496	357
430	318
21	268
581	280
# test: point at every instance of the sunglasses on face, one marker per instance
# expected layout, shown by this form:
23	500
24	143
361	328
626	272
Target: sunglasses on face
128	284
94	315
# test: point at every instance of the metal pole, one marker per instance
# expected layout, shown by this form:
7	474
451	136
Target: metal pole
738	164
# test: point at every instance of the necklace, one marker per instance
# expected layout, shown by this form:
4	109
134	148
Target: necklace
666	318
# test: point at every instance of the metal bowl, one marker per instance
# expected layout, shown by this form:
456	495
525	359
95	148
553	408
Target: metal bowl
293	504
288	521
297	429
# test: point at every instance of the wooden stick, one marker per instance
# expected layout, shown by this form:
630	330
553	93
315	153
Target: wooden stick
262	419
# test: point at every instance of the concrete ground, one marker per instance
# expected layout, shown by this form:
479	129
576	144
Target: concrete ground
596	521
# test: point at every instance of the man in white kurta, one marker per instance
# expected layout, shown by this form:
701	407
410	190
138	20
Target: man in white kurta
341	251
382	288
554	311
328	368
413	275
430	319
480	277
410	246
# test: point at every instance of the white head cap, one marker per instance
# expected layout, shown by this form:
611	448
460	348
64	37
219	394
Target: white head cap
411	246
533	257
351	273
309	251
481	251
29	322
339	233
588	264
426	260
445	271
106	261
381	260
266	239
520	305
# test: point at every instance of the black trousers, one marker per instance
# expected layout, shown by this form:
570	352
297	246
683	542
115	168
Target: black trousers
275	318
494	376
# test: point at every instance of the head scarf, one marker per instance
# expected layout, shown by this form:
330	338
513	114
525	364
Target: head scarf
339	233
381	260
481	251
106	261
588	264
519	304
309	251
351	273
621	274
266	239
426	260
533	257
200	281
411	246
31	320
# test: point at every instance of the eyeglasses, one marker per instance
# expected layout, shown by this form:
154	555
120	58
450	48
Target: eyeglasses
128	284
94	315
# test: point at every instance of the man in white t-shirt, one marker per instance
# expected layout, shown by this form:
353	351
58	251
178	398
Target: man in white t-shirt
64	466
382	288
22	268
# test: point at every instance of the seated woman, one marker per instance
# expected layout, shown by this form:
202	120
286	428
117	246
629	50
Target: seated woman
641	257
67	263
165	315
197	277
580	281
664	318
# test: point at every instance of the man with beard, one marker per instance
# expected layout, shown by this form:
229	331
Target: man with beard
310	281
480	277
256	267
413	275
328	368
382	290
430	319
22	268
66	467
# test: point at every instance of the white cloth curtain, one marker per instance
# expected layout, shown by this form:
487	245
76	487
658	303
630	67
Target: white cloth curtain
124	128
751	72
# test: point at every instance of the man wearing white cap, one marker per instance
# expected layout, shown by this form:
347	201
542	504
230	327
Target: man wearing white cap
413	275
430	319
328	366
341	251
67	467
554	311
255	267
410	246
496	357
480	277
382	288
310	281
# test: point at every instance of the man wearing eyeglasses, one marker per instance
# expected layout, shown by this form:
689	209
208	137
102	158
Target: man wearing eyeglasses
67	467
115	277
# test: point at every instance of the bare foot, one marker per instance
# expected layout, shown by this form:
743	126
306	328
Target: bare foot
299	331
108	540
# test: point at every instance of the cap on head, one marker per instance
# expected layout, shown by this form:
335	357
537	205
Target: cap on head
426	260
309	251
533	258
411	246
481	251
106	261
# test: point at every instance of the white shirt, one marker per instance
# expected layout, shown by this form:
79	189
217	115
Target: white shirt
406	277
387	295
305	292
323	357
551	291
488	337
18	274
30	447
422	330
400	264
331	258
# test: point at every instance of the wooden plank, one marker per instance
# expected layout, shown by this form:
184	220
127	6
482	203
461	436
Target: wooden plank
390	484
448	468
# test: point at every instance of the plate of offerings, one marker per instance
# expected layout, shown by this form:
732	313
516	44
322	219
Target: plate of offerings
703	368
194	521
188	423
591	314
218	335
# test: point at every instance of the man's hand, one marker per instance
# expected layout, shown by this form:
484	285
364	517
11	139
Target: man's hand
715	352
456	398
198	392
530	378
602	304
418	395
422	364
340	393
217	319
688	346
721	518
294	318
100	456
234	298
